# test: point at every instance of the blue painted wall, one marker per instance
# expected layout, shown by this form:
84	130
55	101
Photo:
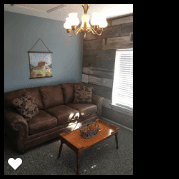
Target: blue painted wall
20	34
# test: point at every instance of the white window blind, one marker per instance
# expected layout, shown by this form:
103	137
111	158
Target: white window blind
122	94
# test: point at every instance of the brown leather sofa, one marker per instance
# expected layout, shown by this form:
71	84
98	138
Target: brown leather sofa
57	113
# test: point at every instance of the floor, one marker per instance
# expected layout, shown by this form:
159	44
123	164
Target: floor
102	159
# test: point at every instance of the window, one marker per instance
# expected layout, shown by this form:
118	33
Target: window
122	93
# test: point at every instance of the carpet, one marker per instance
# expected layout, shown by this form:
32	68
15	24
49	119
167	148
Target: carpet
102	159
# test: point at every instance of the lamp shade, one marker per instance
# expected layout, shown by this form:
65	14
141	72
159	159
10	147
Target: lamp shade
67	24
74	21
95	18
103	23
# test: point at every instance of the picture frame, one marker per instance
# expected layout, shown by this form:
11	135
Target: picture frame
40	64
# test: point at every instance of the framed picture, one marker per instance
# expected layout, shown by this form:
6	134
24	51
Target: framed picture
40	64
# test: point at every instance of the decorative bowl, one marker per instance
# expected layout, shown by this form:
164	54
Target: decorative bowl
89	130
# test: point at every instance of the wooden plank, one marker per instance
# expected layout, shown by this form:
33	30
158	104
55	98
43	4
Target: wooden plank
101	90
104	59
117	43
99	53
84	78
109	23
98	72
117	17
92	44
100	81
126	29
107	103
109	54
123	20
89	60
90	52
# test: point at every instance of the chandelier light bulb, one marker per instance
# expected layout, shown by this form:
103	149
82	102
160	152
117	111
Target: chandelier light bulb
85	18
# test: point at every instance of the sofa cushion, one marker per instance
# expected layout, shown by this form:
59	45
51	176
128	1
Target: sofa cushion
83	94
84	109
36	96
9	96
68	91
63	113
41	122
51	95
25	105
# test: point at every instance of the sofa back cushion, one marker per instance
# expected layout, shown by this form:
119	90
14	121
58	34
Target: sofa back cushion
36	96
51	95
68	91
9	96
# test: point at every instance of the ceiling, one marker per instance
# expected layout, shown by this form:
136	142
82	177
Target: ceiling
45	10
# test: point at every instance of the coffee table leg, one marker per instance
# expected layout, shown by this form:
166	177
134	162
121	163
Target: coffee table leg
60	149
116	141
78	162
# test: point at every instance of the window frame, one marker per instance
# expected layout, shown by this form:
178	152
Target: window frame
118	107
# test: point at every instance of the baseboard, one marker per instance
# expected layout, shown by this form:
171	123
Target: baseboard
108	120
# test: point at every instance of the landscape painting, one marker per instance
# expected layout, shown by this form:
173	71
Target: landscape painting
40	65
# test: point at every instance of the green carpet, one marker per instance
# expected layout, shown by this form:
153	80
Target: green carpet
102	159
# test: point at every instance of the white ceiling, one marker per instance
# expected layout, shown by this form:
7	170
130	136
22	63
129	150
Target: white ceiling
40	10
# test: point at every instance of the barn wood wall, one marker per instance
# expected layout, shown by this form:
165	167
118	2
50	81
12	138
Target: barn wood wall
98	63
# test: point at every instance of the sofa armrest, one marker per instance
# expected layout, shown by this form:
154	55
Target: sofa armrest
14	120
18	124
98	100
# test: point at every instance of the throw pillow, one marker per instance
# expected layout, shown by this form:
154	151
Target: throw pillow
83	94
25	105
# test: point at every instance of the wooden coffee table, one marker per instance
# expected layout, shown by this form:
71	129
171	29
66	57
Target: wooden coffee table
79	144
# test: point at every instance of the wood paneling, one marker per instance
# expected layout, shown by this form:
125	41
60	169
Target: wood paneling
87	51
116	30
122	20
117	43
98	63
98	72
101	90
126	29
100	81
92	44
84	78
89	61
103	59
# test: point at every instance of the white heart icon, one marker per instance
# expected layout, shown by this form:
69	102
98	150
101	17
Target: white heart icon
15	163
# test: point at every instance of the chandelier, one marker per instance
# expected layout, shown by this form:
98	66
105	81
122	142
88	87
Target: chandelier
98	22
